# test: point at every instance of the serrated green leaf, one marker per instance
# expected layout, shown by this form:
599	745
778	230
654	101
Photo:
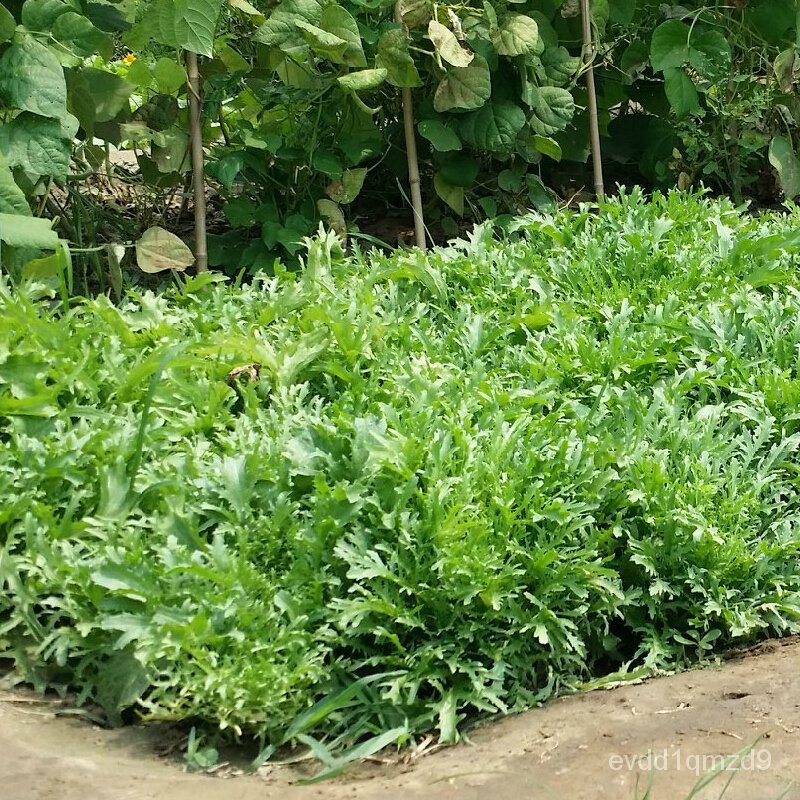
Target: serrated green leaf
31	79
447	45
494	127
517	35
394	56
464	87
39	145
552	109
559	66
439	135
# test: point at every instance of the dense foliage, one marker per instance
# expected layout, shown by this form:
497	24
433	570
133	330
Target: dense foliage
302	110
444	483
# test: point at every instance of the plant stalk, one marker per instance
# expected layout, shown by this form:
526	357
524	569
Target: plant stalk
411	155
594	125
198	160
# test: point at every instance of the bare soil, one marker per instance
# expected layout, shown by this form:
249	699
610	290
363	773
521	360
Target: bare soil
573	748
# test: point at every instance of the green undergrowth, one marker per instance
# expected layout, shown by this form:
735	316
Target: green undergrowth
460	482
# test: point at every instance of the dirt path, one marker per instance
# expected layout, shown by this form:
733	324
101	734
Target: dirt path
575	748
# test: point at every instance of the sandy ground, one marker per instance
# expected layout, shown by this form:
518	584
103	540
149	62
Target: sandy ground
585	747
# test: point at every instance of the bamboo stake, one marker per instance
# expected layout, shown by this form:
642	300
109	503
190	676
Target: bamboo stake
198	176
594	125
411	155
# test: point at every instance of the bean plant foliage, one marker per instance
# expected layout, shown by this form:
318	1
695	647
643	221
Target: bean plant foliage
302	111
387	494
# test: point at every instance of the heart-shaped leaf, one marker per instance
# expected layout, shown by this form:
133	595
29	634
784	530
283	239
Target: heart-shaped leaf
448	46
517	35
159	250
464	87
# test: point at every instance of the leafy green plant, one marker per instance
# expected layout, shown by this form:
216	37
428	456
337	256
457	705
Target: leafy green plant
391	493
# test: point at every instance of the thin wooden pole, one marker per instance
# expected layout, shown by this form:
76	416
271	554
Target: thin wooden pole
411	156
198	164
594	125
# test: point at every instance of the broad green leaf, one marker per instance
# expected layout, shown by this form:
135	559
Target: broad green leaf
185	24
348	187
39	145
787	69
31	79
415	13
170	150
675	44
772	19
78	33
622	12
12	198
669	47
559	66
517	35
782	156
453	196
324	44
448	46
158	250
635	57
681	92
601	11
96	95
459	170
281	30
540	198
394	56
464	87
552	109
363	80
439	135
170	76
339	22
547	146
332	214
39	15
7	24
494	127
17	230
246	8
51	266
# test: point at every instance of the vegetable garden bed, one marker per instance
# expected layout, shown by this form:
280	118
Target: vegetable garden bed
409	489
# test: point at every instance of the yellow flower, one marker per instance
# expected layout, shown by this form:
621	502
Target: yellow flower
129	59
